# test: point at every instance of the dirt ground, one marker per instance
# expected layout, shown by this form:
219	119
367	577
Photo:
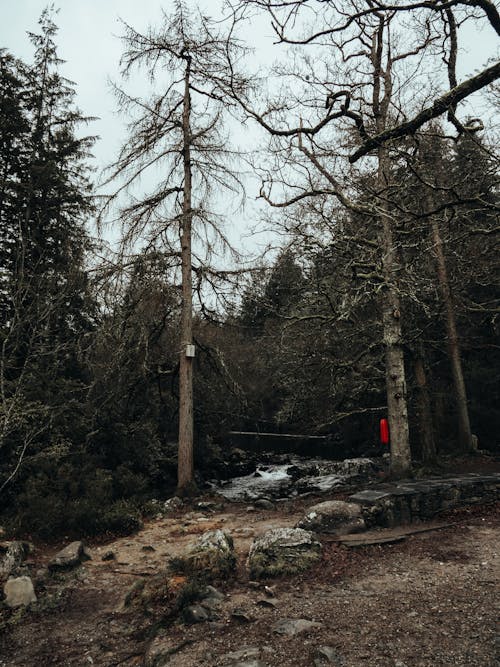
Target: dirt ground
428	601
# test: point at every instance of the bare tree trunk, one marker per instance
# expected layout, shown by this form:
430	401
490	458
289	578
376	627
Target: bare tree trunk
185	452
397	410
426	431
464	431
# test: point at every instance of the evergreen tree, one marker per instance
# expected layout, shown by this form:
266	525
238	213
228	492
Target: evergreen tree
46	304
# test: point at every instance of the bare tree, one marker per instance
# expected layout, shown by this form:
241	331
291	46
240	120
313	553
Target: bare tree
443	19
177	139
366	75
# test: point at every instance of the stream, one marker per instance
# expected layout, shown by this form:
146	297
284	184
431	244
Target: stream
295	478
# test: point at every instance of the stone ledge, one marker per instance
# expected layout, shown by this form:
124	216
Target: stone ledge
411	501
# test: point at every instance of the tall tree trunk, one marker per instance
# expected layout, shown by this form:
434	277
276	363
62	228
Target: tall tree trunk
464	430
185	452
397	410
427	442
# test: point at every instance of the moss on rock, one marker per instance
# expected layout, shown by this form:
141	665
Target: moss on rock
283	551
212	556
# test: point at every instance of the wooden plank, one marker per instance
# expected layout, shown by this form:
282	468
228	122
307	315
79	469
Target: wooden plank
374	540
391	535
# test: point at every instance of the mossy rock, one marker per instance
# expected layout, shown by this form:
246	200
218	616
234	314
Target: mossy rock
283	551
335	517
211	556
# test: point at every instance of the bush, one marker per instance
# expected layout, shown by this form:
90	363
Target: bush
71	500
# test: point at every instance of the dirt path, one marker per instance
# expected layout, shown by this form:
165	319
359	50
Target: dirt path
429	601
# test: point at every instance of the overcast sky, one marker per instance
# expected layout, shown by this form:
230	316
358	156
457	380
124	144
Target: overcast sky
88	42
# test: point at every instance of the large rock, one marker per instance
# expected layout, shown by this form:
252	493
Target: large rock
19	592
282	551
12	554
72	555
335	517
212	554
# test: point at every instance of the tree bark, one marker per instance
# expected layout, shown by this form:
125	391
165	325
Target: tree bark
464	430
397	410
185	451
426	431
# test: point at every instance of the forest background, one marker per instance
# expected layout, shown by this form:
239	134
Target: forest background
378	294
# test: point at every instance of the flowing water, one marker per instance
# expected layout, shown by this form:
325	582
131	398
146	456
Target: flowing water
298	476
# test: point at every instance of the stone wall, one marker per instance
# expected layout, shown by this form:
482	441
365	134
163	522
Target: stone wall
412	501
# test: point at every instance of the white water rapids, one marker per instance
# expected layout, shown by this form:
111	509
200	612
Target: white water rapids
308	475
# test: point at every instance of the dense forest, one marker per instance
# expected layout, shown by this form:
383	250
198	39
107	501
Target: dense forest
122	372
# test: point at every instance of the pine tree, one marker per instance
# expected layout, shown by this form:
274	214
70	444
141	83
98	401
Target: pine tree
46	200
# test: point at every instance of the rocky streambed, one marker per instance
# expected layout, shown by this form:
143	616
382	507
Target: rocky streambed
288	477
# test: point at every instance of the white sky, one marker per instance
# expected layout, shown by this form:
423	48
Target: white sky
88	41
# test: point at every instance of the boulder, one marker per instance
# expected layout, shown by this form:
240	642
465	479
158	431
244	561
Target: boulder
19	592
212	554
335	517
72	555
12	554
282	551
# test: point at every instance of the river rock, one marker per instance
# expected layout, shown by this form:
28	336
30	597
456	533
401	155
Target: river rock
72	555
293	626
282	551
212	554
335	517
19	592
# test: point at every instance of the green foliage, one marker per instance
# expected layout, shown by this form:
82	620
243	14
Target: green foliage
46	308
66	499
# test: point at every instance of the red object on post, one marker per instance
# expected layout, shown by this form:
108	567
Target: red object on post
384	431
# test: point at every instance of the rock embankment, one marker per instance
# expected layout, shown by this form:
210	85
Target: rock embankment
410	501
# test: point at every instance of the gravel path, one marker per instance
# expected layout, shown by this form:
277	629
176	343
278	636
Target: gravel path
428	601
